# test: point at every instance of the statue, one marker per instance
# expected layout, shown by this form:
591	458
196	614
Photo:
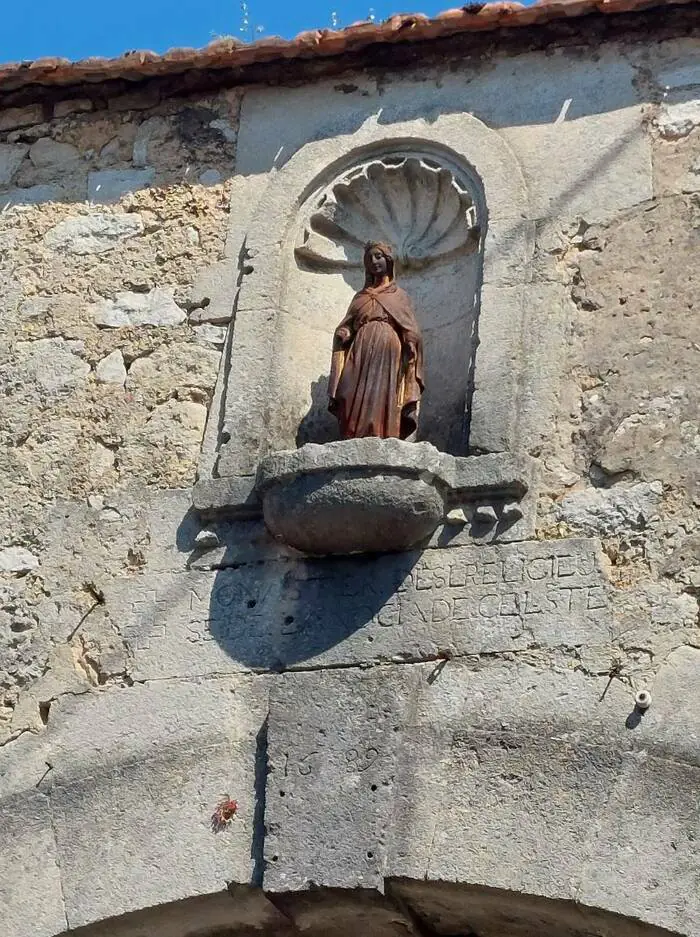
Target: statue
376	377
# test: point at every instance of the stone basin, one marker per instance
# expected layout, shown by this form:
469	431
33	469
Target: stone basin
353	496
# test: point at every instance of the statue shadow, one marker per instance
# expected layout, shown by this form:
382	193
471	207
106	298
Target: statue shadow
271	610
318	425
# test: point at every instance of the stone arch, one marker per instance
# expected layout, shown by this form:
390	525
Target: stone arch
407	907
254	417
531	802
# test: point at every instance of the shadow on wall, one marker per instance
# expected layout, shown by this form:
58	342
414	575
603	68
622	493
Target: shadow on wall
318	425
276	613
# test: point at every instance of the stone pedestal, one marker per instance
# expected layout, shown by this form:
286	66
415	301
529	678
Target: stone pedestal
373	495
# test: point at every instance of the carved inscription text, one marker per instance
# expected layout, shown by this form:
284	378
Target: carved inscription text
472	599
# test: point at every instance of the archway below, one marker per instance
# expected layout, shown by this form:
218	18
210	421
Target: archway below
408	908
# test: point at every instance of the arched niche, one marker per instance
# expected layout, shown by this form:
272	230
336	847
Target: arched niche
431	210
297	278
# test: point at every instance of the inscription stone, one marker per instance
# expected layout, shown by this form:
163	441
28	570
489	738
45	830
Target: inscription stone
408	606
424	777
332	759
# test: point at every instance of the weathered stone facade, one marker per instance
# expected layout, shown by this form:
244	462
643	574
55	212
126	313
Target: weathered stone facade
455	725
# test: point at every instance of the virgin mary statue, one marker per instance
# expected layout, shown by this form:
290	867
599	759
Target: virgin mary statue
376	377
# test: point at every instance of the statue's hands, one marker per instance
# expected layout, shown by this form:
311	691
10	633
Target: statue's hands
343	334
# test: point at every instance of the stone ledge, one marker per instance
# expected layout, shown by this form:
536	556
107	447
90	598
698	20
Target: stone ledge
234	495
501	473
353	496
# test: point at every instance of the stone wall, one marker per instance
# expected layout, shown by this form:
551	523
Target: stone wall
141	649
110	217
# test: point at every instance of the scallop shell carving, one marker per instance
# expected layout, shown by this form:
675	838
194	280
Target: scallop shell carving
414	204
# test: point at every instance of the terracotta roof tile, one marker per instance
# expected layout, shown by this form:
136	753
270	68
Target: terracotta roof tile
314	43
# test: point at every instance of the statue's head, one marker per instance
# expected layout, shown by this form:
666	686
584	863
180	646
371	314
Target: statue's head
379	261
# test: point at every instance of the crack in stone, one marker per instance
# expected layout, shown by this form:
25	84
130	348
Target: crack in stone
439	658
262	770
54	832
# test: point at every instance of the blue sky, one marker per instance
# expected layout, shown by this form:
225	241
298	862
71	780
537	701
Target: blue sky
79	28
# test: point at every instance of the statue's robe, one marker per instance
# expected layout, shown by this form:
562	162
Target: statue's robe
376	381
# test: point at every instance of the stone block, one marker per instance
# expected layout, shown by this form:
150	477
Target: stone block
139	804
52	364
239	541
679	114
152	129
102	461
11	156
109	185
608	511
46	153
225	129
234	494
210	334
14	117
546	321
163	444
180	366
247	388
111	369
671	727
94	233
135	101
680	74
32	195
195	623
17	560
522	758
212	293
508	253
258	615
644	855
495	394
210	177
333	749
30	880
603	163
72	106
157	307
489	773
677	165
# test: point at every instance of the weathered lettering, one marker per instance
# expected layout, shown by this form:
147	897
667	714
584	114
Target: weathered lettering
407	605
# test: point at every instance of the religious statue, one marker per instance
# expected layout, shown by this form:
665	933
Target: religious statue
376	377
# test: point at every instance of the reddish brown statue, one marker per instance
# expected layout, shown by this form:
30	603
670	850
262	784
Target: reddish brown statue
377	369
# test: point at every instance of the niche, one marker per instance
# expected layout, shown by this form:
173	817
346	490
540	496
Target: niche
431	212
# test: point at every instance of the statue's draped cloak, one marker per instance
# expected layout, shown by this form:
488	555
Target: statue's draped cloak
376	382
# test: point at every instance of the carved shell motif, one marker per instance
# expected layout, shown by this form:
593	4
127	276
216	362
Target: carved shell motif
412	203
